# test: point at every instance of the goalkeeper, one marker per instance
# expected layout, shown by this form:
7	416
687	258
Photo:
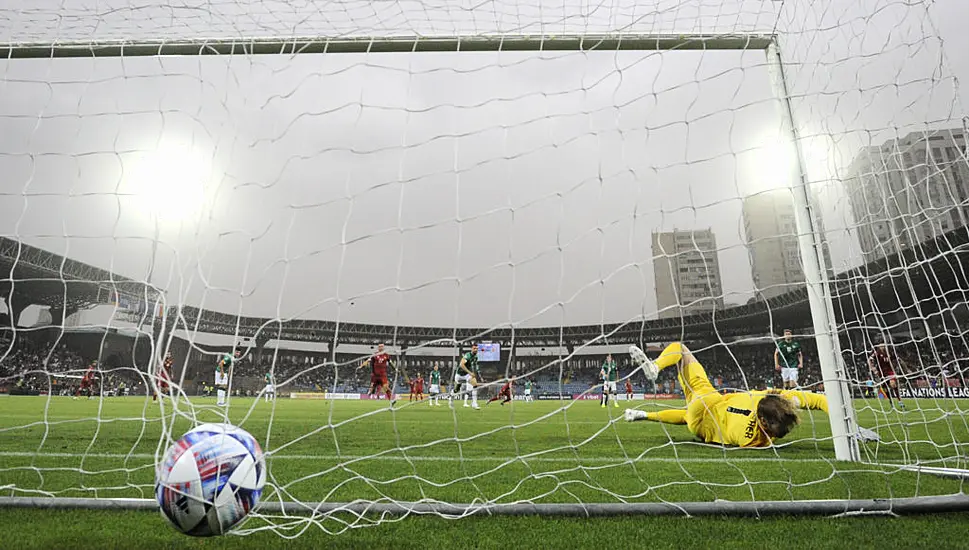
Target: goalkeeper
746	419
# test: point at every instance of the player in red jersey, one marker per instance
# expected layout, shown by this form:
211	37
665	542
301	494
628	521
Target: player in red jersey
164	375
629	390
505	392
378	378
412	384
882	365
418	387
87	381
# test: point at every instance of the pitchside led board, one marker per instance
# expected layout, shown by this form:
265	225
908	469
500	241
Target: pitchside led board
488	351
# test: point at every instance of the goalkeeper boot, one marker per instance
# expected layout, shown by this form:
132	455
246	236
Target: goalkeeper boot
639	358
615	403
631	415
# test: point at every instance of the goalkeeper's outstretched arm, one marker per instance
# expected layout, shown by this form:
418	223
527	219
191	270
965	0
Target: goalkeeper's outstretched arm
807	400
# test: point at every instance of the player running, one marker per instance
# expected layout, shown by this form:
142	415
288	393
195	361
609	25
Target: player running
378	375
469	378
629	390
164	376
435	389
222	373
87	381
610	375
788	358
270	390
882	363
528	390
747	419
505	391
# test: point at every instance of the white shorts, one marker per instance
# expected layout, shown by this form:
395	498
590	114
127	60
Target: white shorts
222	380
435	389
609	386
789	375
462	379
270	389
528	392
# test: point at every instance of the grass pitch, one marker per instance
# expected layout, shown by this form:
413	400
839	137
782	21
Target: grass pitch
339	451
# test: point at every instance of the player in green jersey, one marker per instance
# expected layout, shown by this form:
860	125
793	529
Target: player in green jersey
528	390
788	358
469	376
222	374
610	375
435	390
270	390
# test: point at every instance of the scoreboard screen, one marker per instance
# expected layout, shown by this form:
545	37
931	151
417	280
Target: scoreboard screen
488	351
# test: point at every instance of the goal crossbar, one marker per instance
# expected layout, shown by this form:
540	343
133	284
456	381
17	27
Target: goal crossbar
382	44
897	506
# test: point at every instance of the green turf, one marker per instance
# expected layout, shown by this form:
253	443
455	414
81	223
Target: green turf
346	450
30	529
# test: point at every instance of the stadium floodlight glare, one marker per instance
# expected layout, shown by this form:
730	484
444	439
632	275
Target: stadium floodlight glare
775	164
169	182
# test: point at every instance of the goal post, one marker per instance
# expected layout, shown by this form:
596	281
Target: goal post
385	44
300	258
810	242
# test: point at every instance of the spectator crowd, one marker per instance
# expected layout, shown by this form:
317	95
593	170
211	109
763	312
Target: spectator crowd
50	365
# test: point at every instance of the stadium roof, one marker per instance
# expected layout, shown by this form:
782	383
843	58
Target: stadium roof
922	283
737	321
46	278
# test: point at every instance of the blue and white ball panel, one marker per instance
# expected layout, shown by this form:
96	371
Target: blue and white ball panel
180	494
211	479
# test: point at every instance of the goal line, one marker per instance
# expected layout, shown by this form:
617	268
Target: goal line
897	506
923	466
441	458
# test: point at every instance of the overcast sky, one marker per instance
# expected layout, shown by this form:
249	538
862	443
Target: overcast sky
443	189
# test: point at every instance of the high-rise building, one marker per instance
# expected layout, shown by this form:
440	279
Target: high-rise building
775	260
909	190
687	271
775	255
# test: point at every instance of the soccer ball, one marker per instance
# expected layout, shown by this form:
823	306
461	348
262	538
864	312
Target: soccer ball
210	479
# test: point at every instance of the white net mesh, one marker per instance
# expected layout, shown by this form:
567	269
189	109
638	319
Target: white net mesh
303	208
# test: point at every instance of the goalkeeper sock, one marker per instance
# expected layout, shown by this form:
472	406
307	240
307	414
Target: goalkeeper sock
221	397
474	397
672	416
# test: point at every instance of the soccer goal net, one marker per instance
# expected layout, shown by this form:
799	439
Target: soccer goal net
310	185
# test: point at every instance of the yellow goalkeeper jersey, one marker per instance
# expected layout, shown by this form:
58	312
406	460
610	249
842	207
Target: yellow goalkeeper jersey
733	420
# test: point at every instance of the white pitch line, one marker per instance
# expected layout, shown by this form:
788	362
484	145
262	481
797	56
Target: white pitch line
369	420
398	458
